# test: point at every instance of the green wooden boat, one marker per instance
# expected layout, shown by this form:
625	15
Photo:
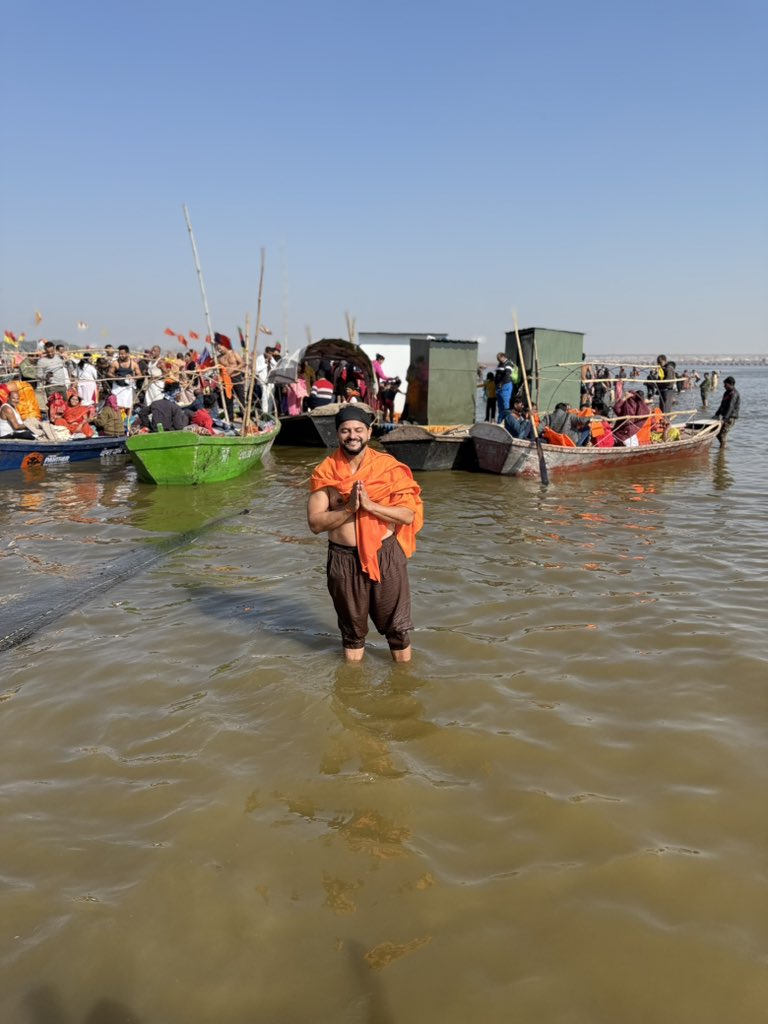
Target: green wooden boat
181	457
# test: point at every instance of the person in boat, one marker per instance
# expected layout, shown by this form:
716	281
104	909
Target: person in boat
389	392
564	422
201	422
109	420
666	384
506	377
52	371
489	393
729	408
56	406
600	432
296	394
76	417
379	376
517	421
87	381
11	423
370	506
165	412
322	392
124	372
154	376
634	411
233	365
341	377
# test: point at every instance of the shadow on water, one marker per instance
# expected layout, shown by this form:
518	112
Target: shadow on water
42	1006
292	615
31	615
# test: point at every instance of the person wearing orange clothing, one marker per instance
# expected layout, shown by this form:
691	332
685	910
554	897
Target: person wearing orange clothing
370	506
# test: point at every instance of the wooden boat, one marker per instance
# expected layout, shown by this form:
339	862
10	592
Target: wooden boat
430	448
19	454
498	452
315	427
182	457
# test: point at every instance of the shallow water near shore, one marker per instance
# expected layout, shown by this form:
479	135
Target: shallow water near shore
555	813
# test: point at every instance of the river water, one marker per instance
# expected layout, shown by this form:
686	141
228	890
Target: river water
555	814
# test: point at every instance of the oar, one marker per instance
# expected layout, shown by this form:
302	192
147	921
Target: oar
539	450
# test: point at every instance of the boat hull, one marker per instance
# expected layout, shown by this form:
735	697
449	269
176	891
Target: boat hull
316	429
183	458
498	452
17	454
300	431
424	451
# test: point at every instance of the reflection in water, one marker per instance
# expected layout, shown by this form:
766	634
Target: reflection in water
374	716
722	478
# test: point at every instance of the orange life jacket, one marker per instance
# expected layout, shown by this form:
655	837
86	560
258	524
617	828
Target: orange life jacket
552	437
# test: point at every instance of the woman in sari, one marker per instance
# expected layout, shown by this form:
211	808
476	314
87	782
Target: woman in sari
77	417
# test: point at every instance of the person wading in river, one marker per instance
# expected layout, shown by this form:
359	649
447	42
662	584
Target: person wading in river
369	505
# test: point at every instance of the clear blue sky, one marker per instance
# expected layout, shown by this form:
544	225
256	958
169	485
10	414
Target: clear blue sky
597	166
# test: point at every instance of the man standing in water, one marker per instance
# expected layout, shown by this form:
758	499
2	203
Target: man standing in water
368	503
729	408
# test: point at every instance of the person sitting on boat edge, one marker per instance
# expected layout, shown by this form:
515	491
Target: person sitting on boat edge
729	408
517	422
11	424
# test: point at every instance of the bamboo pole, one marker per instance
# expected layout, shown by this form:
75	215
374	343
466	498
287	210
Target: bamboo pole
350	328
205	310
254	355
543	473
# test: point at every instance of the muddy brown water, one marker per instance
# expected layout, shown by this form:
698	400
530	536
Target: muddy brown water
555	814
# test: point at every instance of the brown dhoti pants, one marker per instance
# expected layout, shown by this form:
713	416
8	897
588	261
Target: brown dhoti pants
355	596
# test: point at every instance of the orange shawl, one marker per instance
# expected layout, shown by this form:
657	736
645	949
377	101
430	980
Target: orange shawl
388	482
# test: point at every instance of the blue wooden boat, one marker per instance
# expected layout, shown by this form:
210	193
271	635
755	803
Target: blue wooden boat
18	454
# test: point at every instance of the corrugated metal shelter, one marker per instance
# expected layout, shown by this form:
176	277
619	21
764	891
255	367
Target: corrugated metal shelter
441	383
543	349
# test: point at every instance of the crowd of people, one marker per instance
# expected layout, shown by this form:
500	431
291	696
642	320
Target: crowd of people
116	392
615	407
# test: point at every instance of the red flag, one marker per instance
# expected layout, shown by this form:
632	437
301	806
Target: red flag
182	339
194	335
170	332
206	359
